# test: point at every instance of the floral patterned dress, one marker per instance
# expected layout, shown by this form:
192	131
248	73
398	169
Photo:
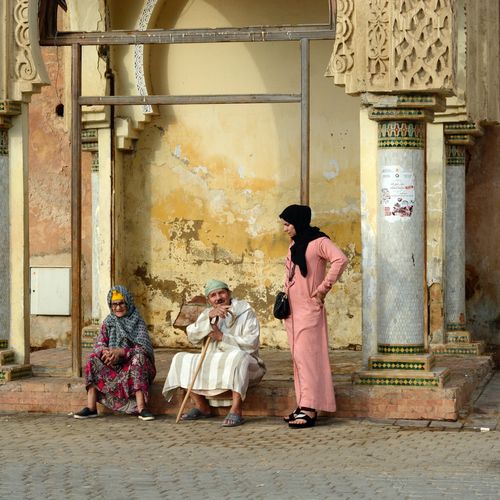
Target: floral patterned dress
116	386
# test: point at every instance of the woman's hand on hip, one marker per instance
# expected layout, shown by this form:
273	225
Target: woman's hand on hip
319	296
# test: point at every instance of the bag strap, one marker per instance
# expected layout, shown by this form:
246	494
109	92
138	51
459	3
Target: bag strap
291	273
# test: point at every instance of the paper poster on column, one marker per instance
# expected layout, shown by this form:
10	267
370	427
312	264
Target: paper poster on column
398	193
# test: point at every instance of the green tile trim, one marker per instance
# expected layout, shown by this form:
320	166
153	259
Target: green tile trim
10	107
89	135
4	142
397	365
401	349
2	375
4	344
416	99
407	381
453	327
458	350
458	339
87	345
90	146
401	134
451	128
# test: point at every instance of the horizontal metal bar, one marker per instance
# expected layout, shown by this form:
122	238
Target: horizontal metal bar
202	35
188	99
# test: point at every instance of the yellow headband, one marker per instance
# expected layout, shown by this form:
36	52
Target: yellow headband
116	295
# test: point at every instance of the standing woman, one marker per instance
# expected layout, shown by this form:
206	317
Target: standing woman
121	367
307	284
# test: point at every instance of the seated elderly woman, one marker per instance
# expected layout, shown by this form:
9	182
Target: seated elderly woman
121	367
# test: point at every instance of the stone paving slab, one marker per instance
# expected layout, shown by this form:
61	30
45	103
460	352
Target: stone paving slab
113	457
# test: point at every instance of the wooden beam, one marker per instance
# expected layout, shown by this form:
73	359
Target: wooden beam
189	99
201	35
76	210
304	121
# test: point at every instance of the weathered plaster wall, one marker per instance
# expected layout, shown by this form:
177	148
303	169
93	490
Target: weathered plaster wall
50	197
482	237
203	190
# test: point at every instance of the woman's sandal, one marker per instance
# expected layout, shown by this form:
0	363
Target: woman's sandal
292	416
307	421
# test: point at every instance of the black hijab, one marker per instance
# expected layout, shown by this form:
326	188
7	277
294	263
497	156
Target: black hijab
300	217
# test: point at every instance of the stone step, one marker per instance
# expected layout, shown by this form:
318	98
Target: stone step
6	357
475	348
406	378
274	396
414	362
14	372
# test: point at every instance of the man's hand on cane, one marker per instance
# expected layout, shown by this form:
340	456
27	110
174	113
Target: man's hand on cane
219	311
215	334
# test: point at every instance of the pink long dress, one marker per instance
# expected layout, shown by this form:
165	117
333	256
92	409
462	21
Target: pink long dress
307	327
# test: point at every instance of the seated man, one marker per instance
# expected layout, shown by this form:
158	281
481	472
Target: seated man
232	360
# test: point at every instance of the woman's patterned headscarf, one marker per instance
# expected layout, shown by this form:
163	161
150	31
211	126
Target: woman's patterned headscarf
129	329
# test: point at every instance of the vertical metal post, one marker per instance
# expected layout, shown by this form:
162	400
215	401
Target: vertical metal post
304	120
76	210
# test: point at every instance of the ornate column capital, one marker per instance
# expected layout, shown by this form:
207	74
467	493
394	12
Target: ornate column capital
395	46
462	133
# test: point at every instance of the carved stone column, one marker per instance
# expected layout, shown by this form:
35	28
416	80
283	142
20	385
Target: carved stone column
98	142
458	136
4	231
14	300
403	357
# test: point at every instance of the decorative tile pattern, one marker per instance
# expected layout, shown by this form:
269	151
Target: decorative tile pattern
397	365
473	350
89	135
95	162
401	349
408	381
458	338
455	327
10	107
401	134
4	344
4	142
455	155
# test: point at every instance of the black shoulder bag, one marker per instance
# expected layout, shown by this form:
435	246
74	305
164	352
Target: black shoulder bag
281	309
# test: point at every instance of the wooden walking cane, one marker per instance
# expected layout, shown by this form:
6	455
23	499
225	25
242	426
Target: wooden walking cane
198	367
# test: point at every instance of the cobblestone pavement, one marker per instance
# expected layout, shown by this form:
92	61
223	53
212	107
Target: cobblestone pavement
112	457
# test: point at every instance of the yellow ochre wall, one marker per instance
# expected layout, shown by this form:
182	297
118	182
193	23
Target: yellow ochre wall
203	189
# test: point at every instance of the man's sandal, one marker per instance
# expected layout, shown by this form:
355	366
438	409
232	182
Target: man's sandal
233	420
292	416
195	414
307	421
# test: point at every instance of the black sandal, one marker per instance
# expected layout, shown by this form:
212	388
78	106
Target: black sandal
292	416
308	421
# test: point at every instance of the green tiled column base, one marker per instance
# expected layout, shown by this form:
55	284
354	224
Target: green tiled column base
4	344
400	349
412	362
13	372
404	378
397	365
